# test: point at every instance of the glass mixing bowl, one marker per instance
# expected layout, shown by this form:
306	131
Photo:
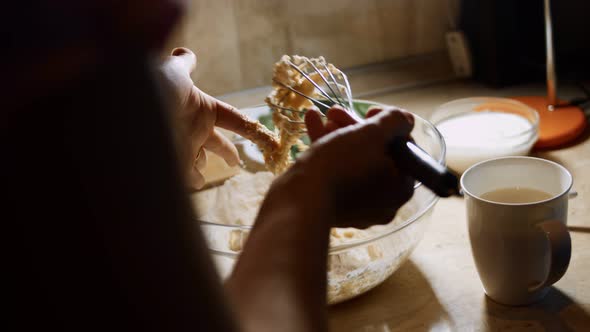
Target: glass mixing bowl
355	265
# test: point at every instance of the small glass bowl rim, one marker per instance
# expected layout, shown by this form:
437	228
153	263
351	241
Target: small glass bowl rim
443	109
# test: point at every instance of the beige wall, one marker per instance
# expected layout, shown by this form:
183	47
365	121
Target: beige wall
237	41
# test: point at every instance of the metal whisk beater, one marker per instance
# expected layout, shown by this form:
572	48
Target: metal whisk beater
332	86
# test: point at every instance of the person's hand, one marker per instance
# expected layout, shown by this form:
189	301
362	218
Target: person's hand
347	172
198	115
337	117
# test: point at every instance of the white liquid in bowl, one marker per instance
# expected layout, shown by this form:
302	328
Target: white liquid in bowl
477	136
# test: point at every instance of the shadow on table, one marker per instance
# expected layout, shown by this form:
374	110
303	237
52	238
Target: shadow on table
552	153
549	155
556	312
404	302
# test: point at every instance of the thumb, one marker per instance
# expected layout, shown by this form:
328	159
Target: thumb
394	122
186	58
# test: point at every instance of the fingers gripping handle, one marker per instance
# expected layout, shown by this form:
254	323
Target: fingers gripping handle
414	161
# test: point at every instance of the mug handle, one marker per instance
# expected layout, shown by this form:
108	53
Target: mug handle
572	194
560	245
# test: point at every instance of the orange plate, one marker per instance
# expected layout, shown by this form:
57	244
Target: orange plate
556	127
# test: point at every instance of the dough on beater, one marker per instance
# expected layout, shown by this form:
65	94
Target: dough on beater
288	107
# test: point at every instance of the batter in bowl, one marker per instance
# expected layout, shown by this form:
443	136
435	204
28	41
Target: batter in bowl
237	201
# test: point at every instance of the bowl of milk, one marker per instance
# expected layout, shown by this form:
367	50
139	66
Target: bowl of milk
480	128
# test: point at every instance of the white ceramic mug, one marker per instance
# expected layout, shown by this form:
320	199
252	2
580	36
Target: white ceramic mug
519	250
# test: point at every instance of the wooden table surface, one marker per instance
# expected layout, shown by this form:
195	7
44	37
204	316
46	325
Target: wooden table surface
438	289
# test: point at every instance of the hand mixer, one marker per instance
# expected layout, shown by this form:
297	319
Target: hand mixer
323	85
